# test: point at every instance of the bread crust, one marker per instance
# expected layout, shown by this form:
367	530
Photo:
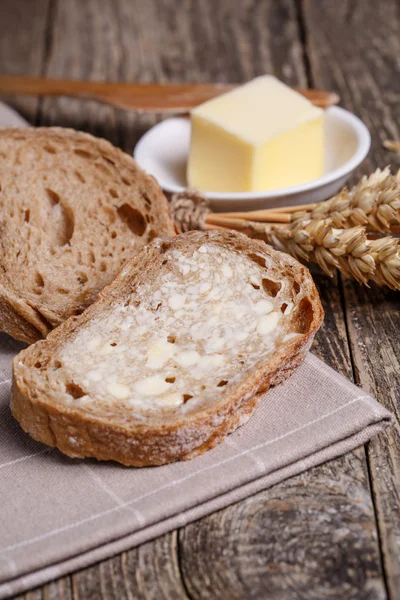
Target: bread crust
29	314
138	444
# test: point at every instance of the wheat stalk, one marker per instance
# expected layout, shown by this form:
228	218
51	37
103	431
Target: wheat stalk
373	203
348	250
333	234
391	145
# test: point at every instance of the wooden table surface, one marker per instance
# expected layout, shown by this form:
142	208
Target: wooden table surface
333	532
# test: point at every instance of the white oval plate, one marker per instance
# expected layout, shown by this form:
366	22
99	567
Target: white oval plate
163	152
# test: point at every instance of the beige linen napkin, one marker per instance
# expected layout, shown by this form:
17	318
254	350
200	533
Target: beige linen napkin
58	515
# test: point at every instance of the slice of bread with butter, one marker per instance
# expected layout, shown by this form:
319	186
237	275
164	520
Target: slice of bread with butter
174	354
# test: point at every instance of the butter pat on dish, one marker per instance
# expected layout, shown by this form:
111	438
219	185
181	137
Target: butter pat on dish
260	136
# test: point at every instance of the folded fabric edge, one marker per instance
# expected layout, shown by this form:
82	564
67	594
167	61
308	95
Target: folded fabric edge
81	561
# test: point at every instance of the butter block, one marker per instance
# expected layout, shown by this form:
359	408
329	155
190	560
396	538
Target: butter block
260	136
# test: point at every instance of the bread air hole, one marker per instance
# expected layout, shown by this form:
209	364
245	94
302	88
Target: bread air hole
74	390
50	149
170	379
284	307
82	278
57	364
257	259
27	215
271	287
110	212
42	364
304	316
125	180
171	339
84	154
146	199
108	160
132	219
296	287
79	176
222	383
256	287
186	397
113	193
39	279
59	224
103	168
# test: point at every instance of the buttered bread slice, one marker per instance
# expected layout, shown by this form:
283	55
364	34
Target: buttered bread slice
172	356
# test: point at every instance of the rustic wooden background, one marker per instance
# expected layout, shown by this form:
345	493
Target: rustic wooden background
333	532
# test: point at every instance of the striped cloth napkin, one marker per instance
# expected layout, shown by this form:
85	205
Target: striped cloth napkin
59	514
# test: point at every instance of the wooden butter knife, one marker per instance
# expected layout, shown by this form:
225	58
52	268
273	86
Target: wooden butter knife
141	97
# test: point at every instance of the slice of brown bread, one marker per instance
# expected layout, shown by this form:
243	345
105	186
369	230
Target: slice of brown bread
172	356
73	210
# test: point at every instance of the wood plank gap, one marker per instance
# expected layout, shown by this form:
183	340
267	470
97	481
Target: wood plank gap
346	324
378	529
48	44
179	533
298	7
367	459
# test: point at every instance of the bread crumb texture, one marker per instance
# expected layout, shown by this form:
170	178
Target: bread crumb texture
73	210
213	318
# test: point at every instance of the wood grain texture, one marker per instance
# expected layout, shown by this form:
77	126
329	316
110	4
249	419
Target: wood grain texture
150	571
275	544
368	79
315	535
375	344
354	47
23	33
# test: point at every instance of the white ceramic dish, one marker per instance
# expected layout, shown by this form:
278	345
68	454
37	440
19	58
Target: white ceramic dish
163	152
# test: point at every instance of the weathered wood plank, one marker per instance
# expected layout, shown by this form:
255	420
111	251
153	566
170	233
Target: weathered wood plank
312	537
367	77
150	571
353	48
375	345
83	43
23	27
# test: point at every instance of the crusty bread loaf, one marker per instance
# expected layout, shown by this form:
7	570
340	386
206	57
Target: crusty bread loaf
73	209
173	355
